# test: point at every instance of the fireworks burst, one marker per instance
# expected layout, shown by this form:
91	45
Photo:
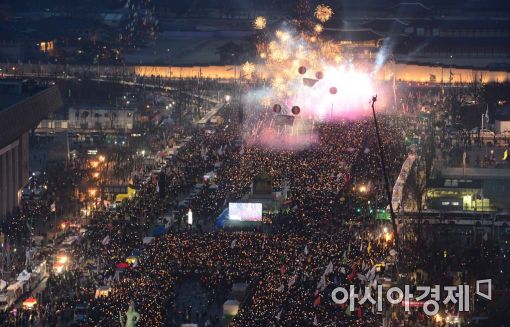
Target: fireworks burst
265	101
278	84
282	35
287	52
323	13
248	69
318	28
300	68
260	23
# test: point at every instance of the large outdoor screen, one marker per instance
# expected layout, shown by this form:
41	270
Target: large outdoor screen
245	211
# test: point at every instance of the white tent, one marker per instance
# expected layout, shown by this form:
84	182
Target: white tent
23	276
148	240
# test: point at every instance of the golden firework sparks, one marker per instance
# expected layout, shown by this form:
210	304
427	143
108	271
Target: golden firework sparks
278	84
330	49
323	13
318	28
273	45
248	69
279	55
282	35
260	23
265	101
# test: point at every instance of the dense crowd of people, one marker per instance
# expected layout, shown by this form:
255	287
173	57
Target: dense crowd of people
313	245
282	274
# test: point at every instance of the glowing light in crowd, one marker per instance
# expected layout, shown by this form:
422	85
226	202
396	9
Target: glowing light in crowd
62	258
58	267
323	13
190	217
29	303
260	23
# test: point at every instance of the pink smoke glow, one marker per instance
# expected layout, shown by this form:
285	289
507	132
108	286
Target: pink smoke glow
354	91
343	93
270	137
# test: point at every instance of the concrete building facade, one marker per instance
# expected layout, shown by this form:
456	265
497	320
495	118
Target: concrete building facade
101	119
22	106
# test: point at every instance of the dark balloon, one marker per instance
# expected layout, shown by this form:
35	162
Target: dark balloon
332	90
277	108
302	70
296	110
319	75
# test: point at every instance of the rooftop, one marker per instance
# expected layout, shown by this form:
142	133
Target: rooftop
23	104
478	173
360	34
503	114
455	183
14	90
